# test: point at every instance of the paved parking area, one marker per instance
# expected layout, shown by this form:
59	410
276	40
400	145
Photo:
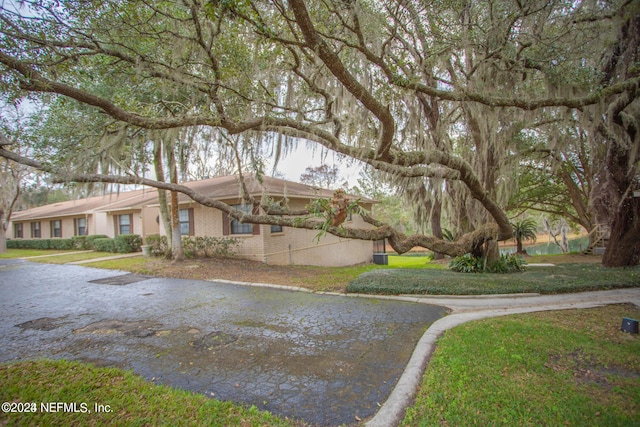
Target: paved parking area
321	358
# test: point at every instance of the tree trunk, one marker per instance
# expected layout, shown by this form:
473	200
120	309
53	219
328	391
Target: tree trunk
623	249
3	236
436	225
491	253
176	238
165	215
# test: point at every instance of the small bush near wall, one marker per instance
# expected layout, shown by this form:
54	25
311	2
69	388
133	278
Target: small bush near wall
127	243
206	246
98	242
40	244
104	244
89	242
62	244
201	246
158	244
80	242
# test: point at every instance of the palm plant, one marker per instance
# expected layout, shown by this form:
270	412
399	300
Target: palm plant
525	229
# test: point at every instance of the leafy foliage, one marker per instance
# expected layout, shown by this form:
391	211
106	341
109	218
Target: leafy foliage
105	244
198	246
127	243
466	263
525	229
469	264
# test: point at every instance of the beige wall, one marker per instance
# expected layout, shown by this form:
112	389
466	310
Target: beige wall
208	222
66	223
302	247
149	223
110	223
291	246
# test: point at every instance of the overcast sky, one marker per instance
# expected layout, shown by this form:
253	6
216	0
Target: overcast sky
295	163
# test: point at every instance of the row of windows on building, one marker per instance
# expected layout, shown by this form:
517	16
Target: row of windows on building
124	225
55	228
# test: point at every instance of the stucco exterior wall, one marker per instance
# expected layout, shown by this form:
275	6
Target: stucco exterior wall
136	225
291	246
68	227
149	221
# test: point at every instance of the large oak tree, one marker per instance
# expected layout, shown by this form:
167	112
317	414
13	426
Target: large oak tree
435	92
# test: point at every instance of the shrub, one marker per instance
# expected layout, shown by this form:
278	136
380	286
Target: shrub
127	243
158	244
104	244
466	263
199	246
207	246
90	240
510	263
62	244
79	242
40	244
469	264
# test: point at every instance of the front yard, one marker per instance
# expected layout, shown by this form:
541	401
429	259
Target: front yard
552	368
407	274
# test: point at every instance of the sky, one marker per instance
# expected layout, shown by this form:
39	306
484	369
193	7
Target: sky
295	163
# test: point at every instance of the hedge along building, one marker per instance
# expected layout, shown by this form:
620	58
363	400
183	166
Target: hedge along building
138	212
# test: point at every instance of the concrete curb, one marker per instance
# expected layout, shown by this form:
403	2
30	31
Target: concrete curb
393	410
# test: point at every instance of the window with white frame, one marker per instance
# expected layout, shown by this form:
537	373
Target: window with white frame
185	222
124	224
81	227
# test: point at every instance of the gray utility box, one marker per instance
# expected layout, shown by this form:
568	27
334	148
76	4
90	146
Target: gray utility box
381	259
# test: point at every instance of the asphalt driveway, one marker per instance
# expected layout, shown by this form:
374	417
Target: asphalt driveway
324	359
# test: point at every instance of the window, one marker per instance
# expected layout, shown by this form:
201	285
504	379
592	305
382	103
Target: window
81	226
124	224
35	230
186	222
17	230
239	228
56	228
276	228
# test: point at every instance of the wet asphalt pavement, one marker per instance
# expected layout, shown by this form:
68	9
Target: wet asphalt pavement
320	358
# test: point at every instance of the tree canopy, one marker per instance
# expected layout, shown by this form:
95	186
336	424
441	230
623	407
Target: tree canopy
453	99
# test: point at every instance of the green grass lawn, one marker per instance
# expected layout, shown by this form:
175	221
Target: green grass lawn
22	253
546	280
129	399
546	369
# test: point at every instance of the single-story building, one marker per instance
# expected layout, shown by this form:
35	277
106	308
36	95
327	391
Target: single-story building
138	212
